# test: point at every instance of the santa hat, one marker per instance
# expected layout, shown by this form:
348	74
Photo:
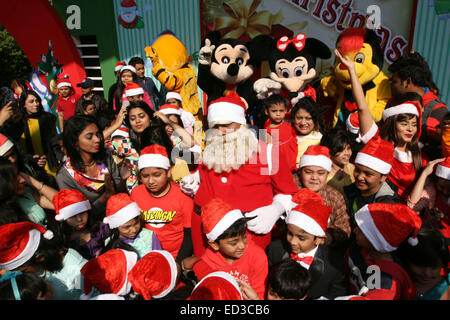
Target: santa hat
173	95
19	242
109	272
168	109
311	214
408	107
230	108
154	275
5	145
217	286
316	156
387	225
154	156
443	169
217	217
377	154
63	82
119	210
119	65
128	67
133	89
122	131
128	4
353	123
69	203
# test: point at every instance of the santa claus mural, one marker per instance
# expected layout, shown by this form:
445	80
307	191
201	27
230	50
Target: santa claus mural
129	16
241	170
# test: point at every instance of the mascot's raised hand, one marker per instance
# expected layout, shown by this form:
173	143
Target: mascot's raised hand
205	53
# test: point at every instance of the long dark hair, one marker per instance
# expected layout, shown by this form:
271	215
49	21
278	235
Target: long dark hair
72	130
121	87
23	98
10	209
29	284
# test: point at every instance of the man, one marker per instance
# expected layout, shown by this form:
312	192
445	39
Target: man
241	170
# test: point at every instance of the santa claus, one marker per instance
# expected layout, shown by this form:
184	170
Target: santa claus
241	170
129	15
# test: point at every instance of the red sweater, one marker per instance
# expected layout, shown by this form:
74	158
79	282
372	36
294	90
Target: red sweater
67	106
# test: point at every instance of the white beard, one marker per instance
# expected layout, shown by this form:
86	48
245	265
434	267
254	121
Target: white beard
128	15
224	153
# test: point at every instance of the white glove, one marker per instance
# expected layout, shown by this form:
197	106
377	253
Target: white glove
297	98
205	53
266	217
190	183
265	87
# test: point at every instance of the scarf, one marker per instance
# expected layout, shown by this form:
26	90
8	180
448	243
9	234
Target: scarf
93	184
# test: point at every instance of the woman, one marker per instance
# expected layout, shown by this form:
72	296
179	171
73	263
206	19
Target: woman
306	122
89	168
400	125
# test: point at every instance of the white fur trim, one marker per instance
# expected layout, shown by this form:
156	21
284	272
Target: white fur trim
64	84
171	111
221	111
365	222
131	258
351	127
402	156
224	223
369	134
72	210
401	108
154	161
305	222
316	160
5	147
119	67
443	172
26	254
134	92
123	215
173	273
373	163
223	275
131	68
120	132
173	95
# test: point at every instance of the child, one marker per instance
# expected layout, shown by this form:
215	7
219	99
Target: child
373	270
155	275
173	97
24	286
86	107
78	224
279	132
87	88
427	264
146	82
108	273
165	209
67	101
372	166
288	280
304	242
217	285
123	218
229	248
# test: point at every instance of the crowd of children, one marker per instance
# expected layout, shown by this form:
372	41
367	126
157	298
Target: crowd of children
115	207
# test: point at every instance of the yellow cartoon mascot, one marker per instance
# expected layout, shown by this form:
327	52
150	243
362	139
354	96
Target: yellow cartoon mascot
362	46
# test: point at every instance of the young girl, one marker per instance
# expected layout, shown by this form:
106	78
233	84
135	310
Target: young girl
24	286
400	125
188	119
339	144
426	263
124	219
306	122
89	168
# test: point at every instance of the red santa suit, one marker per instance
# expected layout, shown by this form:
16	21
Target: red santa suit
287	140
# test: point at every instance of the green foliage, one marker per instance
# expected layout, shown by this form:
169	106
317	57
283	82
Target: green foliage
13	62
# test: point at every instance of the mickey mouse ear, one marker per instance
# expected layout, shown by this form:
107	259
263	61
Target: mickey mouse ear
318	48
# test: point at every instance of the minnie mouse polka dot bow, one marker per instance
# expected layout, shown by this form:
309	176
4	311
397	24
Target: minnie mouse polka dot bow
298	41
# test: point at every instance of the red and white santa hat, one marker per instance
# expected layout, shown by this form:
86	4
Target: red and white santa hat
443	169
154	275
120	209
353	123
173	95
387	225
122	131
218	285
154	156
128	67
316	156
410	107
109	272
128	4
228	109
169	109
119	65
133	89
5	145
311	214
19	242
69	203
63	82
377	154
217	217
